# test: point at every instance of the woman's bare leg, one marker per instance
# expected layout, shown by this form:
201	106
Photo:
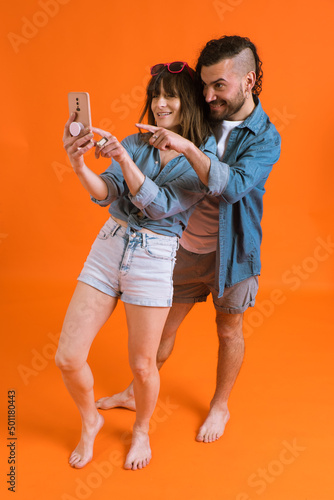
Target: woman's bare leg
88	311
145	325
125	399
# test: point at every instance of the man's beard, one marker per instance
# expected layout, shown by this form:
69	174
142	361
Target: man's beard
232	108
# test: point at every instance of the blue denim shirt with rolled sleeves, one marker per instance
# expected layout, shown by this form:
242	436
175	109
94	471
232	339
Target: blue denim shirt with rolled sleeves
239	178
167	196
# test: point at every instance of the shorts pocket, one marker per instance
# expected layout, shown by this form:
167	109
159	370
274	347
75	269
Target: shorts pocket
161	250
106	230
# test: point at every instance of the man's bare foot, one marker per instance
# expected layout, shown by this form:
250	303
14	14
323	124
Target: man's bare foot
83	453
123	399
140	452
214	425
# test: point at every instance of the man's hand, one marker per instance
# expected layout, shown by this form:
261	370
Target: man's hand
164	139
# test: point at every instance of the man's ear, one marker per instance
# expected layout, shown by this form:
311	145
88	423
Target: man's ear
250	81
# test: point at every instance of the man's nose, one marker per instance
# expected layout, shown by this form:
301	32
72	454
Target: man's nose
209	95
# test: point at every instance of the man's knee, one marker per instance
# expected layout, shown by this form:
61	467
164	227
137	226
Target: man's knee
169	331
229	326
165	348
174	319
168	336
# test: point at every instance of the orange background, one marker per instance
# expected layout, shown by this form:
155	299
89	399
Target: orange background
282	397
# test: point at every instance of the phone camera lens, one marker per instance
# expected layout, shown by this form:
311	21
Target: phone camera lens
78	109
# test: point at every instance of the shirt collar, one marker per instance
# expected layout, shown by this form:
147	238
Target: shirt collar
254	120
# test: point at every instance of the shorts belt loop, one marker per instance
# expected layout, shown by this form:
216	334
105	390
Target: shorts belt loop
144	236
114	231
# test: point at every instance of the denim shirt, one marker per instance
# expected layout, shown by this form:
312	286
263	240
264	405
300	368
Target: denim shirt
253	148
167	196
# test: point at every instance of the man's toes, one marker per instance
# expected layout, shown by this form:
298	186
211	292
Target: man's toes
100	403
142	463
200	437
210	437
130	464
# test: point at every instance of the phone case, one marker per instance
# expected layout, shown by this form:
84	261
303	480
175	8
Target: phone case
79	103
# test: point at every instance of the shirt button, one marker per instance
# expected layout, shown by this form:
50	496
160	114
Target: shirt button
156	162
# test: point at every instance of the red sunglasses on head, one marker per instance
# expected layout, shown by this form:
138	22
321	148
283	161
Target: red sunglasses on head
173	67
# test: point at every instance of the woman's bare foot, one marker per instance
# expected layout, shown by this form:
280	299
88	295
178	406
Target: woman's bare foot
214	425
140	452
123	399
83	453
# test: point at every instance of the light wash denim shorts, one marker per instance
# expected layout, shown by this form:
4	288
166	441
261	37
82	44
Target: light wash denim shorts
194	280
135	266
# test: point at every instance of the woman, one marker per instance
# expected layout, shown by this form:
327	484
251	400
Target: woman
151	194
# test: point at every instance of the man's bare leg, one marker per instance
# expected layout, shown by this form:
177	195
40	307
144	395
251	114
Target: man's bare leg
230	358
89	309
125	399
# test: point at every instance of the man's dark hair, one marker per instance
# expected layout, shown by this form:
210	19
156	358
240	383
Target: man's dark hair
228	47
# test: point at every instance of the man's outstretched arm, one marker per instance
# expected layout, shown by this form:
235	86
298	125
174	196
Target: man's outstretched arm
164	140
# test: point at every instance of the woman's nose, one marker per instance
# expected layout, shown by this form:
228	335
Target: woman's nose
161	101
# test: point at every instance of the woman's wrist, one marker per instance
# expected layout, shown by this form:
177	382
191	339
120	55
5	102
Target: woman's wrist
78	166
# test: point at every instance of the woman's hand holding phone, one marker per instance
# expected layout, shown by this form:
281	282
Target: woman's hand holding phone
76	147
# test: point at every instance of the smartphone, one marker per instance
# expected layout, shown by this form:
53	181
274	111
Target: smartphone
78	102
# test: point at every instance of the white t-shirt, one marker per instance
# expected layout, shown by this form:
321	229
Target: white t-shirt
201	233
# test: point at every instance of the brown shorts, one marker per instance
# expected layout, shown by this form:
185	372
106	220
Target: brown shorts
194	280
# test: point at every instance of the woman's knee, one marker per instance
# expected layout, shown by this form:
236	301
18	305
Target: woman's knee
68	360
143	368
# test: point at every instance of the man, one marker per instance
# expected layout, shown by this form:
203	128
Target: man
230	215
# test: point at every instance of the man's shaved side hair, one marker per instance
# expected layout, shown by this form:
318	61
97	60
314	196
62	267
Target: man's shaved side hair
244	62
241	49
